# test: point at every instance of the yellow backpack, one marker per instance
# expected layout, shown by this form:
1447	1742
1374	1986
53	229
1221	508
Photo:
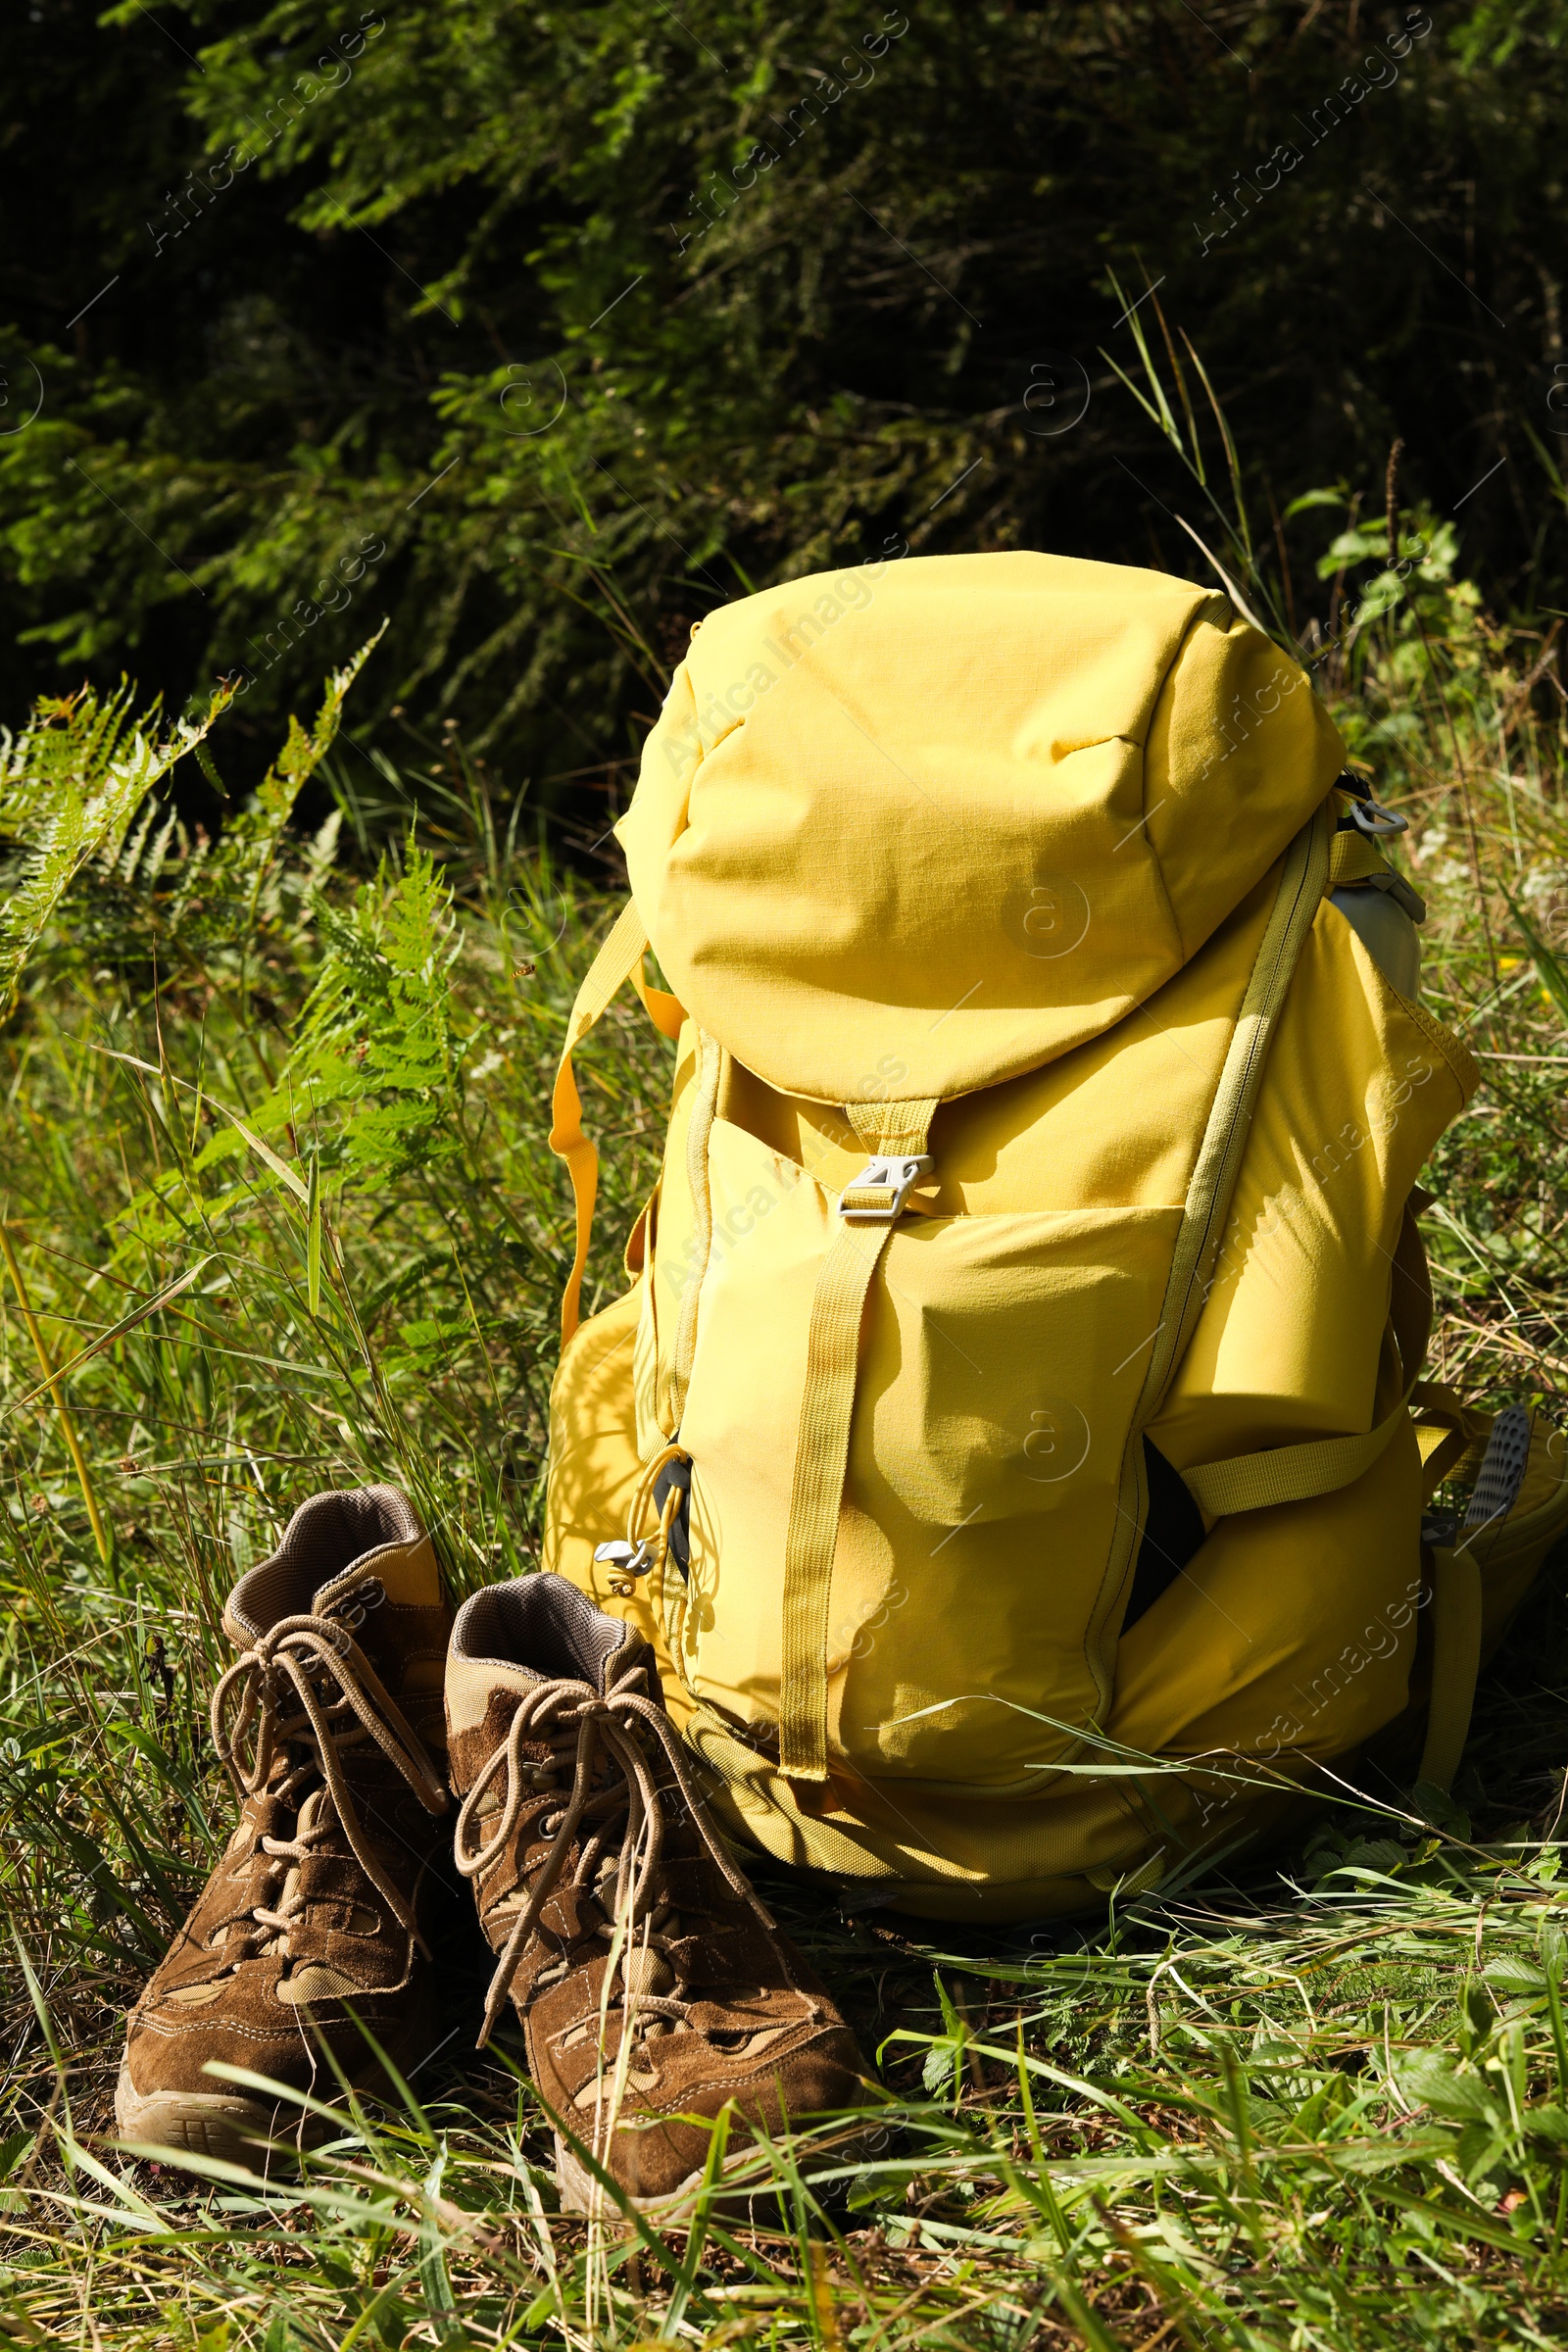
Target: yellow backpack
1019	1376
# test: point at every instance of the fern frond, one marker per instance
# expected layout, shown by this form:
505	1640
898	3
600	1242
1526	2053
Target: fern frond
71	785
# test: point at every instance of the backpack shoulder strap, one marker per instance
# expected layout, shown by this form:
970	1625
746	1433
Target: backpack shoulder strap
1456	1620
619	959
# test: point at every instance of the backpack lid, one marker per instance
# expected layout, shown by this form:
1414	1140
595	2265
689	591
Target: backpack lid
911	828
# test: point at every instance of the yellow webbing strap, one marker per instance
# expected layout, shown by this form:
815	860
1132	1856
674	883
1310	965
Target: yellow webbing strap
822	1446
821	1453
1439	1447
1447	1432
699	1137
619	959
1410	1308
666	1013
1251	1482
1455	1663
1352	859
896	1128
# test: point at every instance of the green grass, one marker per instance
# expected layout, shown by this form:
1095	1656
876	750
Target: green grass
1320	2099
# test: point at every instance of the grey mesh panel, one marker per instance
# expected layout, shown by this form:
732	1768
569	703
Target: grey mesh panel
543	1624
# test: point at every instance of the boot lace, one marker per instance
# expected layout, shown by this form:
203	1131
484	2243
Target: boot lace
581	1726
308	1686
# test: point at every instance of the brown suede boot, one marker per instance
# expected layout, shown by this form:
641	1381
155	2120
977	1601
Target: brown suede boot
330	1727
612	1902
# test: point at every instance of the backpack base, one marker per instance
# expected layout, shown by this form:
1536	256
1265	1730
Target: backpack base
1298	1637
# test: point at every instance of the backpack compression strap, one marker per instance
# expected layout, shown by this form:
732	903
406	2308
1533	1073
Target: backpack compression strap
895	1137
619	959
1252	1482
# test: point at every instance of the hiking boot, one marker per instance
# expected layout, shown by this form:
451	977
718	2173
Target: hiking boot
330	1725
653	1986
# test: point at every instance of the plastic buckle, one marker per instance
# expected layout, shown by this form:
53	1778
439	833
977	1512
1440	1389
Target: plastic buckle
1364	812
895	1177
627	1559
1375	823
1439	1529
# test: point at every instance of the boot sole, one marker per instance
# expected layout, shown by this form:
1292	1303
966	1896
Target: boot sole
228	2125
193	2123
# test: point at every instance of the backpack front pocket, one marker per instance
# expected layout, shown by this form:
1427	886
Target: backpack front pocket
1000	1361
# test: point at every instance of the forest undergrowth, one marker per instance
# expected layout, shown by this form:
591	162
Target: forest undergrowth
276	1212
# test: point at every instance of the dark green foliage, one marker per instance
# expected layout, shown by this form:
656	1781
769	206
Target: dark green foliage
488	323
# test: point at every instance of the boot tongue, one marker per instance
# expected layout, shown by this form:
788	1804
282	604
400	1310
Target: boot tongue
316	1812
310	1814
389	1601
405	1573
389	1604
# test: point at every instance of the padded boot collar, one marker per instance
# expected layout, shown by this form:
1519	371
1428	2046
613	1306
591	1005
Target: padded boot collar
536	1629
333	1542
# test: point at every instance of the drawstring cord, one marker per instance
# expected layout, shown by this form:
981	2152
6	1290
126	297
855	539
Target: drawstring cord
641	1552
668	1454
609	1724
288	1660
